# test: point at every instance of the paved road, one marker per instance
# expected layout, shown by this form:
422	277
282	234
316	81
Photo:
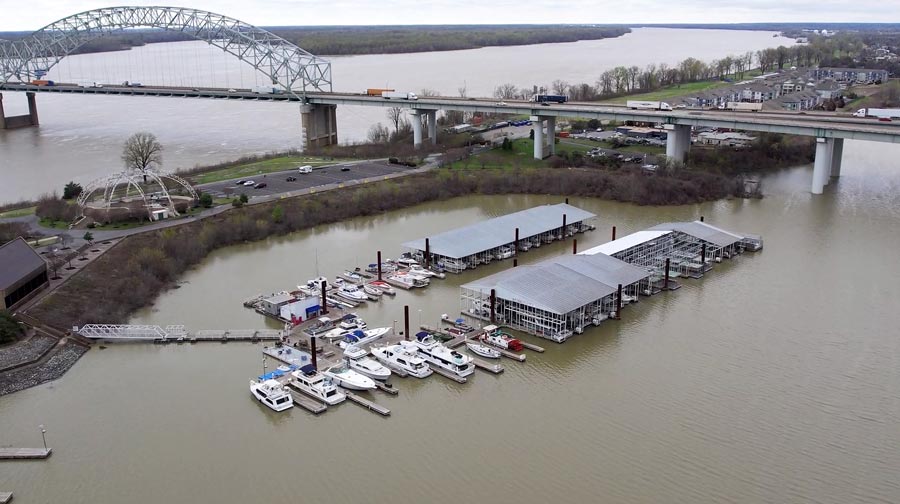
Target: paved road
277	184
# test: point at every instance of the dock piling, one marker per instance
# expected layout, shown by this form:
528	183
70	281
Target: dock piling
564	227
703	255
575	246
666	281
379	266
515	262
312	350
493	305
614	233
619	303
324	299
427	251
516	247
406	322
701	218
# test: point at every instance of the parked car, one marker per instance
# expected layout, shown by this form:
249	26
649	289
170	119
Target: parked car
291	179
260	185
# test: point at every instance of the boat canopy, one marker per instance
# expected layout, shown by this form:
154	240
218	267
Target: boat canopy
308	369
422	335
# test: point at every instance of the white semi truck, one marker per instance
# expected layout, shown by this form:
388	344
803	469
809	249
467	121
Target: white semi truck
647	105
880	113
387	95
743	106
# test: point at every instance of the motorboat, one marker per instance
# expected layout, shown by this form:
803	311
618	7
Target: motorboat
272	393
316	283
359	361
436	354
482	350
317	385
423	271
399	357
352	276
504	252
406	259
408	281
453	265
383	286
459	323
352	292
524	245
361	337
492	335
351	321
371	290
386	267
345	377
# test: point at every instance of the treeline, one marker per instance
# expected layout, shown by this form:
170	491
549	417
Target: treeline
769	151
343	40
134	272
622	80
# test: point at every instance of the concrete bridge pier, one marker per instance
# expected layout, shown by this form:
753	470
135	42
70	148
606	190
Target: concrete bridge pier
22	121
430	117
824	164
836	156
541	145
319	125
678	142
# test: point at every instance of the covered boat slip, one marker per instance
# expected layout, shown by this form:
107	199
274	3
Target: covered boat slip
690	247
495	239
555	298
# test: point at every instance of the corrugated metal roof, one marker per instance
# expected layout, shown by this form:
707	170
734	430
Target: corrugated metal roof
492	233
625	242
702	231
562	284
18	260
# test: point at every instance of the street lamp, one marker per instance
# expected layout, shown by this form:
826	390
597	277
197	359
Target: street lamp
43	435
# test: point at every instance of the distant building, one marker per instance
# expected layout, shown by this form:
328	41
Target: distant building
730	138
850	75
23	273
829	90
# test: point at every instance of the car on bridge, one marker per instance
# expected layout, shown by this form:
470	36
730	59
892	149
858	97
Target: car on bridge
291	179
261	185
249	183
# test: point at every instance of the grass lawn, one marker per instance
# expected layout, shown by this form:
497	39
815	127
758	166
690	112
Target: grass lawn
53	224
259	168
18	212
679	90
522	155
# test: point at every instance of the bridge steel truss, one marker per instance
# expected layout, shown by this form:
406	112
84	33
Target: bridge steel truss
288	66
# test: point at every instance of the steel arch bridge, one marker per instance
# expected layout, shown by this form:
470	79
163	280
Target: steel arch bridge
288	66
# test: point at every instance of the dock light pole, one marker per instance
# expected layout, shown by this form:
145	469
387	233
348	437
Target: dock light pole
43	435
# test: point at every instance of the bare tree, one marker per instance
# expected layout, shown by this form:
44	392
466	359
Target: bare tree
395	114
505	91
559	87
462	91
65	239
428	92
379	133
142	150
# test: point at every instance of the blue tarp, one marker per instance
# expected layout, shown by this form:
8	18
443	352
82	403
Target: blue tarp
271	376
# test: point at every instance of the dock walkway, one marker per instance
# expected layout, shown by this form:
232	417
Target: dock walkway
24	453
5	497
306	402
365	403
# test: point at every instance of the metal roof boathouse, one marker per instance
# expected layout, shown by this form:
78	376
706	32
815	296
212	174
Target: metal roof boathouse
561	296
495	239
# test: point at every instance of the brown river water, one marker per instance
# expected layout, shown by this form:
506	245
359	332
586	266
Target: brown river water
773	379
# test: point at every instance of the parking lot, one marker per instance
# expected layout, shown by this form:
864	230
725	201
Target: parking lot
277	182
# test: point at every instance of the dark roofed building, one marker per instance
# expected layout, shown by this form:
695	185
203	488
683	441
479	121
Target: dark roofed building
22	272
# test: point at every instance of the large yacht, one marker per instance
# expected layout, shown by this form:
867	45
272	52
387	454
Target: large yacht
436	354
360	337
317	385
345	377
404	359
272	394
359	361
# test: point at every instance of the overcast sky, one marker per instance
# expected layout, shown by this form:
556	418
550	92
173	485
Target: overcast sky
33	14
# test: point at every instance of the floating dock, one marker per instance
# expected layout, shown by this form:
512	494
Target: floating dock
365	403
24	453
5	497
448	374
386	387
532	347
487	366
306	402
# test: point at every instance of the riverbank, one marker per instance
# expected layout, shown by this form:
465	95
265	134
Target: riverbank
133	273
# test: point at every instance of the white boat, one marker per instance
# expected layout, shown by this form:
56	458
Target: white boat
492	335
383	286
351	321
425	272
406	259
359	361
454	265
371	290
504	252
317	385
436	354
345	377
352	276
399	357
408	281
361	337
272	394
351	292
482	350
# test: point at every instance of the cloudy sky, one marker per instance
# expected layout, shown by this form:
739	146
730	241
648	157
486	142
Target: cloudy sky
33	14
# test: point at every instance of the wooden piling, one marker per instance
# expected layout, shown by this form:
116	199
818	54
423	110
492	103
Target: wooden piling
406	322
515	262
427	251
493	306
379	265
575	246
619	303
701	218
324	299
564	227
312	349
666	281
614	233
516	248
